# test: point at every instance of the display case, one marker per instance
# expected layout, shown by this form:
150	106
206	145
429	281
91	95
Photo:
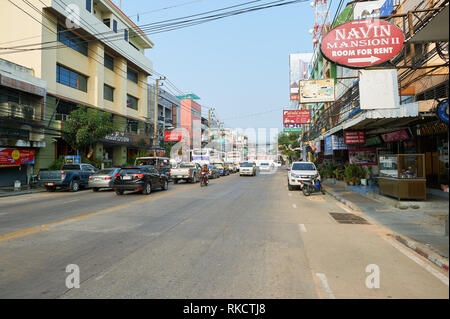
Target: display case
402	176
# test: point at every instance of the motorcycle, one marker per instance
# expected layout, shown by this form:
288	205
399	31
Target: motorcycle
204	179
312	185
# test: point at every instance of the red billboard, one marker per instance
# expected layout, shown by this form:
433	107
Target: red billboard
355	137
362	43
297	117
16	157
172	136
294	97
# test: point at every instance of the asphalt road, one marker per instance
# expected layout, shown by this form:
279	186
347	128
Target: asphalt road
240	237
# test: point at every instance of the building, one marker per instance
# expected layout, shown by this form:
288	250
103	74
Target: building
89	53
22	114
190	119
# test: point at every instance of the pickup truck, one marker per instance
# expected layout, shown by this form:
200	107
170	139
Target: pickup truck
190	172
70	176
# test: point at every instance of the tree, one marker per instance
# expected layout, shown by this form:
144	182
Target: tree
287	142
85	127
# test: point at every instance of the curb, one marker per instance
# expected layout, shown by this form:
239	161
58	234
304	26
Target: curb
20	193
408	243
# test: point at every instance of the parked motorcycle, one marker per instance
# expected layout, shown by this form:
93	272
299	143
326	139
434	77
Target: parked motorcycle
204	179
312	185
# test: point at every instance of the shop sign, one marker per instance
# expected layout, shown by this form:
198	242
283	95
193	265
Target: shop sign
12	156
373	141
334	143
328	149
442	111
297	117
172	136
292	129
434	128
355	137
363	156
395	136
294	97
314	91
120	137
362	43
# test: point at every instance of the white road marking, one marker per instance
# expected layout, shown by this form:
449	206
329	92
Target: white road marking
70	201
302	228
325	285
419	261
344	208
294	206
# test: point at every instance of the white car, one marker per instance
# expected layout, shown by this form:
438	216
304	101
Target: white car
247	168
299	172
266	167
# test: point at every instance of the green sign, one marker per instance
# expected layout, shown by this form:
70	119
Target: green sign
373	141
292	129
190	96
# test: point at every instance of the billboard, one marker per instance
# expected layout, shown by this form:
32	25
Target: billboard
172	136
313	91
298	70
296	117
16	157
355	137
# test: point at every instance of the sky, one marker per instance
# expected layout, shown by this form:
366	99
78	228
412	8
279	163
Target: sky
238	65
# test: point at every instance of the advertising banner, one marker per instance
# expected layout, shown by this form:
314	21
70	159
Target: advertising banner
297	117
16	157
362	43
314	91
328	149
395	136
172	136
363	156
298	70
355	137
338	143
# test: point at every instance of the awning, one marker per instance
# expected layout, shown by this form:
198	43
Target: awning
333	130
434	30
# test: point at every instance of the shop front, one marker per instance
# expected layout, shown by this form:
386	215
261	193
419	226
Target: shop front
16	164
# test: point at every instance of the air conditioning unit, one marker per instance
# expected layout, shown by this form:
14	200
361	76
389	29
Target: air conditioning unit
11	109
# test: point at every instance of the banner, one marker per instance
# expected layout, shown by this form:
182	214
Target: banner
297	117
16	157
313	91
363	156
172	136
395	136
355	137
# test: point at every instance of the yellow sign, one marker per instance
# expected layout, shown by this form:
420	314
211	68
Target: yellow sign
15	154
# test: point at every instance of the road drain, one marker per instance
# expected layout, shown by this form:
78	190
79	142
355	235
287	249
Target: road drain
346	218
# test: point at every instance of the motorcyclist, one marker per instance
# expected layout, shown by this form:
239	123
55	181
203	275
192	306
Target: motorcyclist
205	170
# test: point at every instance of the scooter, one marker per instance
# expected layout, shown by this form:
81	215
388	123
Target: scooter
312	185
204	179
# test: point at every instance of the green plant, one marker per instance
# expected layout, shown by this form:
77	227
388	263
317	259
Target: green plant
351	172
330	170
93	161
57	164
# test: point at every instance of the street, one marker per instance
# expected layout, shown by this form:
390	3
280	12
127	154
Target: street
239	237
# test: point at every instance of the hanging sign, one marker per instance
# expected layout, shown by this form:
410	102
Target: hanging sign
172	136
297	117
355	137
13	156
362	43
442	111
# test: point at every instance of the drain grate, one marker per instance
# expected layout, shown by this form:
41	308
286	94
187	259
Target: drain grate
347	218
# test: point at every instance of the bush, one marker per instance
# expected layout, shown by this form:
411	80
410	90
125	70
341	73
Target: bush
57	164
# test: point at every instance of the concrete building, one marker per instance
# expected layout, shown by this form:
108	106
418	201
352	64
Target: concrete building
190	119
89	53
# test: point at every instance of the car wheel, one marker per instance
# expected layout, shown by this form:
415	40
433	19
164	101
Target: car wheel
165	185
75	186
175	181
147	189
290	187
119	192
95	189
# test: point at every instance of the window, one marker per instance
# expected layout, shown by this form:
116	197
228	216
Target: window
132	102
72	40
115	26
125	34
89	5
107	22
109	62
132	75
71	78
108	93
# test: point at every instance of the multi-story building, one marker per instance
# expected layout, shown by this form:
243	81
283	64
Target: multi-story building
190	119
89	53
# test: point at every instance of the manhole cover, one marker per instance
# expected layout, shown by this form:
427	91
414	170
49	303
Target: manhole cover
346	218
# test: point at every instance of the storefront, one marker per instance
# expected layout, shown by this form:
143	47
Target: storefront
16	165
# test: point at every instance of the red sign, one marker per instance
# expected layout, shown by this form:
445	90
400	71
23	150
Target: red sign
395	136
294	97
297	117
16	157
356	137
172	136
362	43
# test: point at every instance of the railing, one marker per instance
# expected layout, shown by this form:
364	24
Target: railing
20	111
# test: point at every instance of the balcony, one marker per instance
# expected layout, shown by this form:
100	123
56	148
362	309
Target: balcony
20	111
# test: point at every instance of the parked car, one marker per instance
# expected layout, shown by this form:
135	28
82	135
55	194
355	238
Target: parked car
222	168
232	167
162	164
103	178
213	172
300	172
247	168
70	176
143	178
189	172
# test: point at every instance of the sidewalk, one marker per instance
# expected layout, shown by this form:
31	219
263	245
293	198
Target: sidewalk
10	191
419	225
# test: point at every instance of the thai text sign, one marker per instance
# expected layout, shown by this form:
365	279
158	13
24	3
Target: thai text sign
314	91
172	136
297	117
12	156
395	136
355	137
362	43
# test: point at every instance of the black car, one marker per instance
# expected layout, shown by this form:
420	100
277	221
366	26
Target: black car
143	178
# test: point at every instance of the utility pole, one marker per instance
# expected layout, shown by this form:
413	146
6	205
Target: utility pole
209	126
155	128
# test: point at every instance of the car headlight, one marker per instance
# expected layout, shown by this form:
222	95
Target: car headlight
295	175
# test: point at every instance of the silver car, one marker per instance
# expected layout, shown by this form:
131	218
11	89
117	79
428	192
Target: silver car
103	179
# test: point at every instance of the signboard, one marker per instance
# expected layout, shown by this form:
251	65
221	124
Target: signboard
297	117
363	156
314	91
373	141
16	157
72	159
362	43
172	136
292	129
294	97
355	137
328	149
338	143
395	136
190	96
442	111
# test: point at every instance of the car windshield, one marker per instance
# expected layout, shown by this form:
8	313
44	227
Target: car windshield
69	167
106	171
303	167
187	165
246	164
264	164
130	171
218	165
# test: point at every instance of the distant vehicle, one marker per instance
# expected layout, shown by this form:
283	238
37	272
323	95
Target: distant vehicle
300	172
222	168
162	164
70	176
213	172
103	179
189	172
144	178
206	156
232	167
247	168
266	167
